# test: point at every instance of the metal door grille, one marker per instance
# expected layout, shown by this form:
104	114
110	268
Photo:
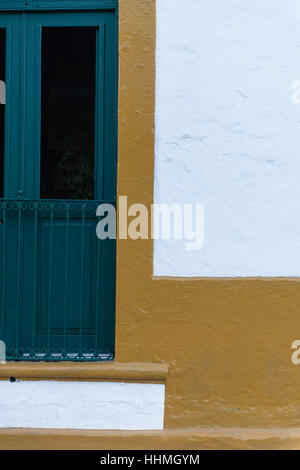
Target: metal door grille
17	217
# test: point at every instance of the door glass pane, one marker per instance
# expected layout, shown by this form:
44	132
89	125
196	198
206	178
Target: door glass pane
2	105
68	113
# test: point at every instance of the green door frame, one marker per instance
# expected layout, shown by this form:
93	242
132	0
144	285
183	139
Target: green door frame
42	5
25	20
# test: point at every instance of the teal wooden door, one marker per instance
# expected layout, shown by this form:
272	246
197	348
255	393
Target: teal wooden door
59	163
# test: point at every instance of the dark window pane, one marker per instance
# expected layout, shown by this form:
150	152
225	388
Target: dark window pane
68	113
2	105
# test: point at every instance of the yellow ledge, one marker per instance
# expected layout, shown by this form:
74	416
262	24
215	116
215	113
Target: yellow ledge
169	439
106	371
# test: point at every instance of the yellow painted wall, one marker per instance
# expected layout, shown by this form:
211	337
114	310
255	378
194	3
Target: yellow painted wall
228	342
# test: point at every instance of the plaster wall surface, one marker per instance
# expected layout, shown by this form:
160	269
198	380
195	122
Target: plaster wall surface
228	134
227	341
81	405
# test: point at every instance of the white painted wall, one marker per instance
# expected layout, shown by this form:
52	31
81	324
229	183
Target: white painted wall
82	405
228	135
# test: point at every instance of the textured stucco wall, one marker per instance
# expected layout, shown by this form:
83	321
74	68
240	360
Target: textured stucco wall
228	135
227	342
81	405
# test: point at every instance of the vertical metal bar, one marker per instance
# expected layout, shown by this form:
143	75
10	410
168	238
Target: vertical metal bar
99	149
66	278
97	295
3	268
18	274
99	113
8	191
35	268
22	117
82	270
37	104
50	275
